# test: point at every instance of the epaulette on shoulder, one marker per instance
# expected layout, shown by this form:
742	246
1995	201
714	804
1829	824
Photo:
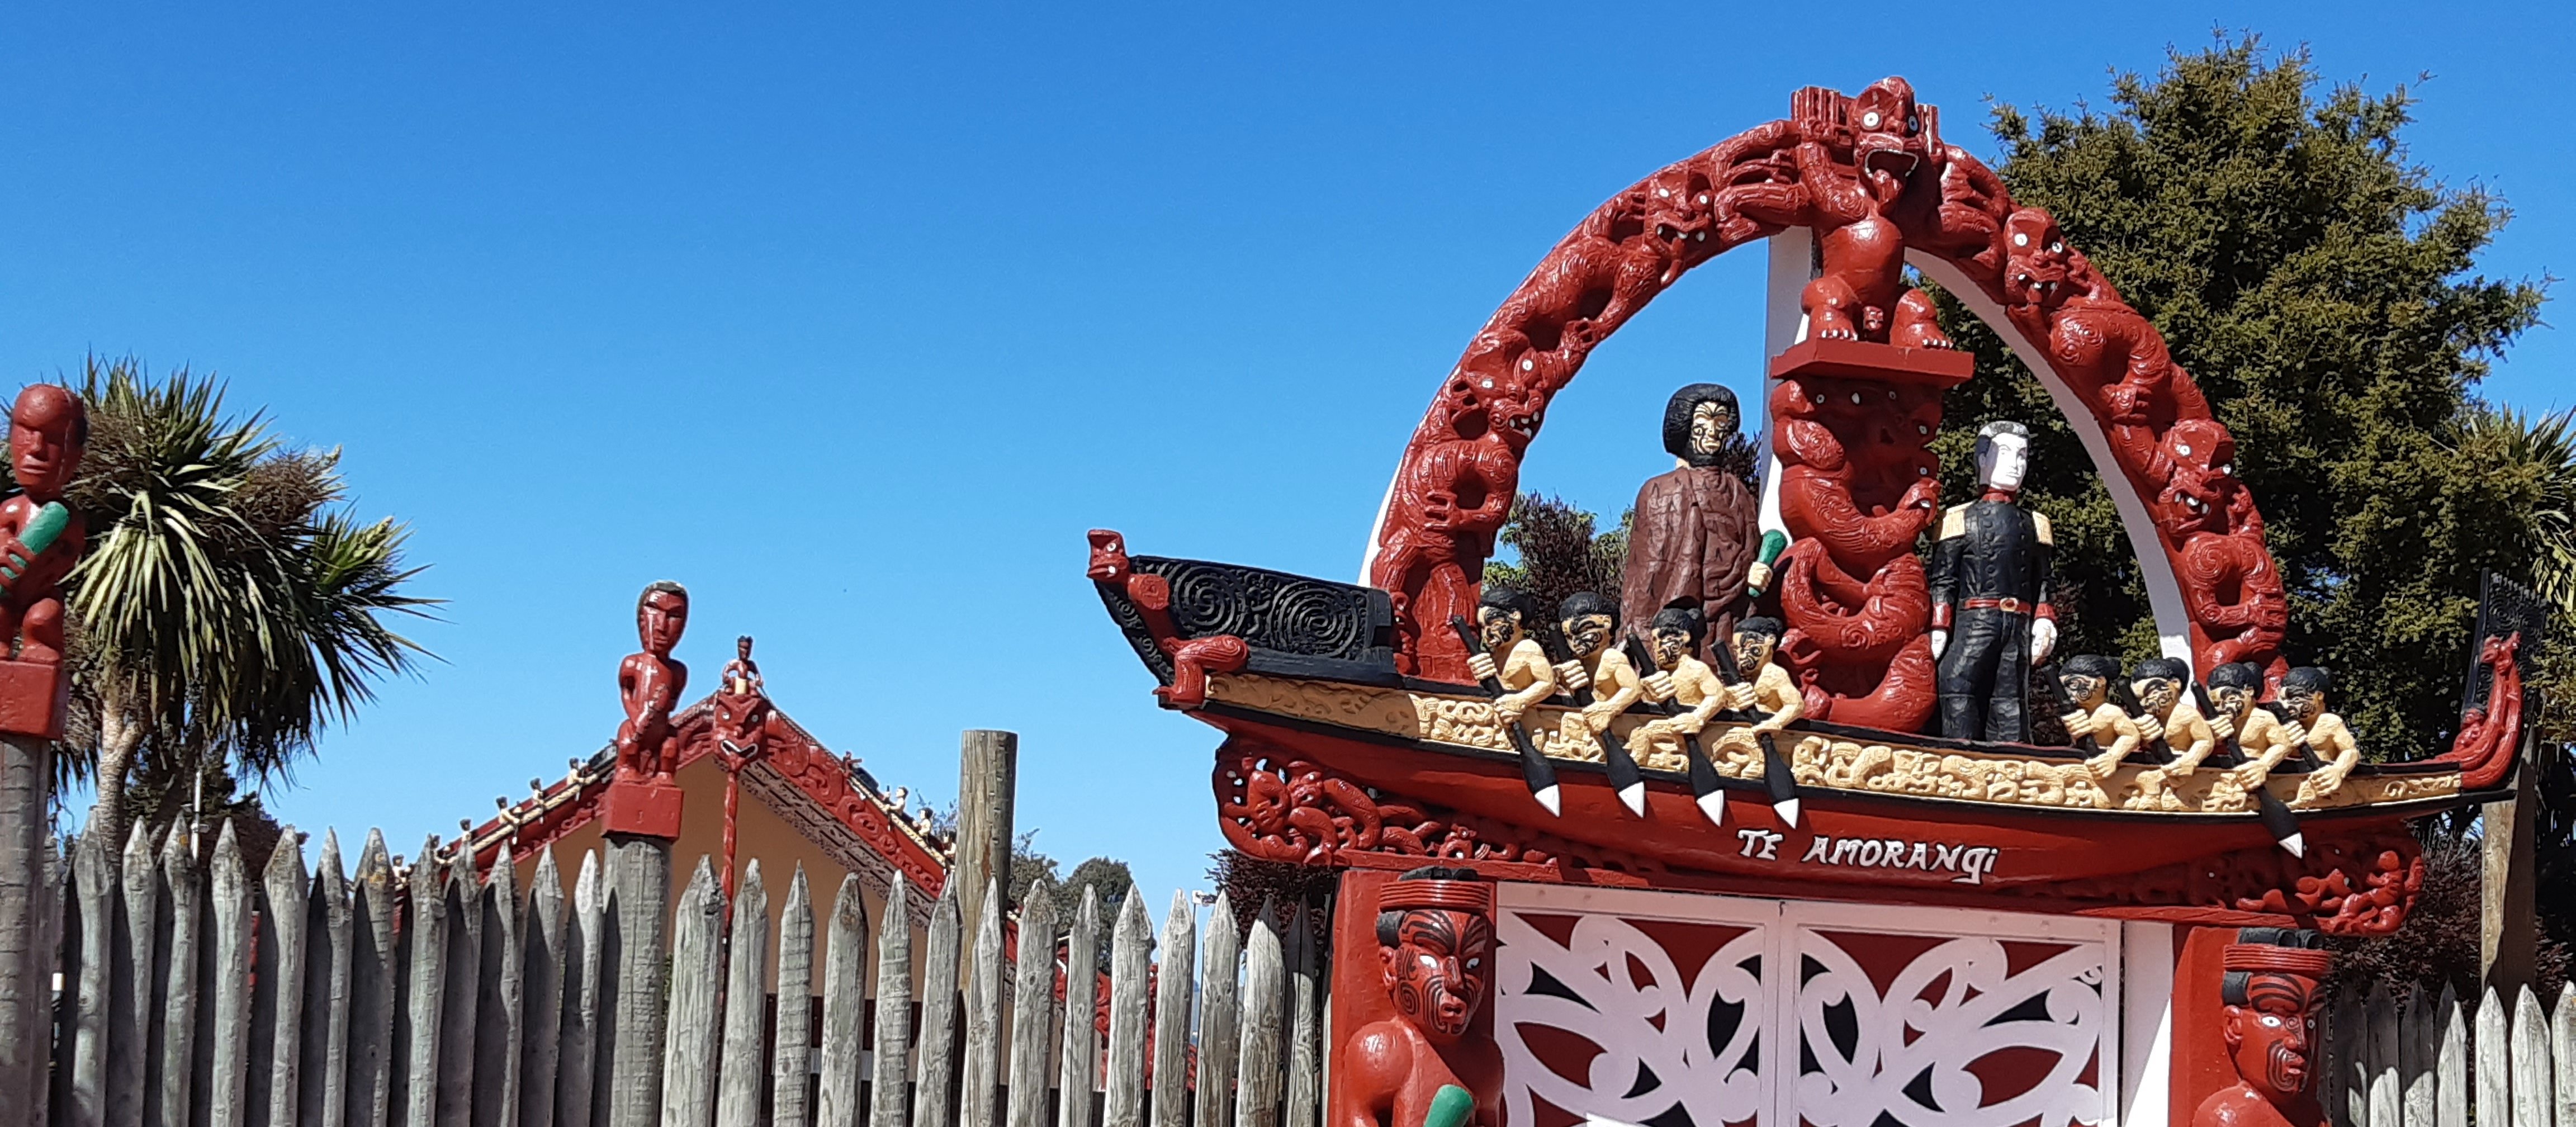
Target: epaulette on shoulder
1954	521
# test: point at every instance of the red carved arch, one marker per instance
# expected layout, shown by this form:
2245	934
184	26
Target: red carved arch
2164	457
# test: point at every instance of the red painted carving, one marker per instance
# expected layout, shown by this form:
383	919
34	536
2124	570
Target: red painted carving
1435	935
643	801
48	431
741	712
2491	734
2358	885
2271	994
1280	809
1871	192
1856	489
2161	435
1192	658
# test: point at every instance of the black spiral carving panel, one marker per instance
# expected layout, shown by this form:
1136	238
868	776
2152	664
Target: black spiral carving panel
1296	626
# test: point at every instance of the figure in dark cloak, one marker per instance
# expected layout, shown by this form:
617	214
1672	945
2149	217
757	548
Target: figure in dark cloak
1698	535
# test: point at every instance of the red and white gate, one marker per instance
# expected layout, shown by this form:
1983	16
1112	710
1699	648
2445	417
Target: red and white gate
1677	1010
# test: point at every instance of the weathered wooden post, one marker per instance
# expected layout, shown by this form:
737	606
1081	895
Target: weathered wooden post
1218	1003
697	971
791	1061
1081	1065
541	977
2509	938
276	1013
26	971
1033	1006
981	1073
1172	1014
746	978
934	1084
1131	963
894	1009
845	981
987	772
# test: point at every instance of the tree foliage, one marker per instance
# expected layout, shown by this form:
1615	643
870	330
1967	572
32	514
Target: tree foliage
229	607
2324	292
1559	553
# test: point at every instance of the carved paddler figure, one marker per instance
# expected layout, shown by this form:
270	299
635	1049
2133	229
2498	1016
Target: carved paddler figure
1589	622
1418	1068
2305	721
1698	536
1991	618
2168	717
1504	619
2096	718
1672	641
1767	689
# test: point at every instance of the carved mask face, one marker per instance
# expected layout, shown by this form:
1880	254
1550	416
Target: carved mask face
1671	645
2304	704
2035	261
2203	485
1436	971
2003	461
2084	690
660	621
1751	650
2233	701
2157	694
2271	1034
44	440
1587	633
1890	144
1500	629
1712	423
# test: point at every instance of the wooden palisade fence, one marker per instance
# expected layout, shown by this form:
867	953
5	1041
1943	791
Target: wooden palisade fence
217	994
2436	1063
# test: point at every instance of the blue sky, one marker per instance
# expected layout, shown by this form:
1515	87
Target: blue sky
853	318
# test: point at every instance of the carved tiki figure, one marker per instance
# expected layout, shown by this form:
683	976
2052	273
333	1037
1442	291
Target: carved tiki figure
1698	536
48	430
1877	159
2270	1029
1435	935
650	684
1504	619
1991	618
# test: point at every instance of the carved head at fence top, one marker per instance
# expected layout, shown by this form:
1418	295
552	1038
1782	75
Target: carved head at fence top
2271	993
48	429
1435	933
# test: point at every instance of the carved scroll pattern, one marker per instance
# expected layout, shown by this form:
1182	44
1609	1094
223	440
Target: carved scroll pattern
1631	1020
1963	1035
1274	610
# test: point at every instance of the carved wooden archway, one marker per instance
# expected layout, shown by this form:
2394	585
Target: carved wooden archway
2163	456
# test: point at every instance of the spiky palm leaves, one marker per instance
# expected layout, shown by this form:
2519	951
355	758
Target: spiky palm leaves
227	609
2541	448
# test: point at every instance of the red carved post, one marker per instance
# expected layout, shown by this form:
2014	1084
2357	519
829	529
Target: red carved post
48	431
642	801
742	715
1423	1050
2266	1023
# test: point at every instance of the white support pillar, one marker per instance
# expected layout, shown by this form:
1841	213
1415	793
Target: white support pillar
2146	1023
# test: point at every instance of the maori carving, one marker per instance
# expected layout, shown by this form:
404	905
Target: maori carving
1818	759
1856	490
1964	1032
1435	934
1873	192
642	799
1280	809
2491	732
1148	601
2270	986
2359	885
2161	435
48	431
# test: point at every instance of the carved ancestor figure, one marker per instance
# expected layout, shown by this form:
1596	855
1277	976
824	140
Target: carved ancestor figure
2305	721
1589	622
1698	535
650	684
1435	936
1991	617
48	432
2270	987
2088	679
1674	639
2168	716
1503	621
2237	718
2491	730
1862	163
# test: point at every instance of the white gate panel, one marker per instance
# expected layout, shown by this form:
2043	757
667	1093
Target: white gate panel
1616	1006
